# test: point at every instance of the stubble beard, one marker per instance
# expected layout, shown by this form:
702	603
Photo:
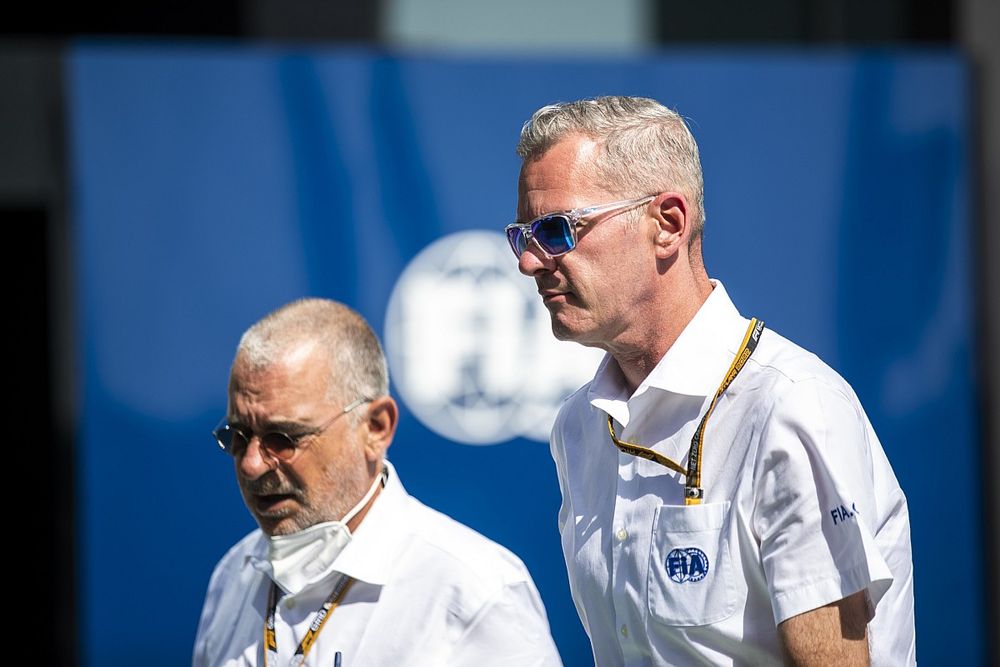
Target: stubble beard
343	493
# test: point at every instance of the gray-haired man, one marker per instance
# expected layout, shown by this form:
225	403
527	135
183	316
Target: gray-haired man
347	568
724	497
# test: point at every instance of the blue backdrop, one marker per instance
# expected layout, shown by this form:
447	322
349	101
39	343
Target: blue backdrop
212	184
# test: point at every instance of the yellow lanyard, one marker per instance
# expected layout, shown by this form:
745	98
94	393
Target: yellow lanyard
693	493
271	639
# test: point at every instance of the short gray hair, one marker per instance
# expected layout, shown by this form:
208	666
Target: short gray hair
357	363
644	147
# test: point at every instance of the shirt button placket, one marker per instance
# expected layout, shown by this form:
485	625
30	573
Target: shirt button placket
620	555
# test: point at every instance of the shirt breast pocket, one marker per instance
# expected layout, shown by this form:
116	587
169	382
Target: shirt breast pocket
691	579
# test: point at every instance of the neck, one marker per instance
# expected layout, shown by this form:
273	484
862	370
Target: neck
638	352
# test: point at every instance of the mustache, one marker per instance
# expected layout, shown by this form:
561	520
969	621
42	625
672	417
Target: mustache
270	486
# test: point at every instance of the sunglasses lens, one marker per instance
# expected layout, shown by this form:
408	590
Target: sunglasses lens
554	234
277	444
232	440
235	442
518	241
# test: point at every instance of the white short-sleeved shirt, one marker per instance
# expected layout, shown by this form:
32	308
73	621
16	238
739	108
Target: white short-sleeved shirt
428	591
801	506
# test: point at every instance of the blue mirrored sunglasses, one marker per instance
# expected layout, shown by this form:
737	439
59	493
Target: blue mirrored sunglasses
555	234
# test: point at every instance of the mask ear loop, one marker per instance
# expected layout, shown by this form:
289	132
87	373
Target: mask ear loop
379	481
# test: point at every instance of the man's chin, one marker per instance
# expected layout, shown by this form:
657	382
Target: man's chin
275	526
561	333
278	520
566	331
575	332
565	316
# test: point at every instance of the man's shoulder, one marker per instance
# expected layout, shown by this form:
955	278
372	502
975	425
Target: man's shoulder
253	543
469	571
788	364
573	404
231	576
461	549
464	544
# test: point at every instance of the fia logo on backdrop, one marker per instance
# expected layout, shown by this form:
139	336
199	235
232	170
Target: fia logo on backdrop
470	347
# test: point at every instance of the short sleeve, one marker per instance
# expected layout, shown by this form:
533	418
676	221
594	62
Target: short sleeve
814	501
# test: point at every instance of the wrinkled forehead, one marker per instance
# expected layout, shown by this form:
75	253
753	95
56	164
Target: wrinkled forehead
300	372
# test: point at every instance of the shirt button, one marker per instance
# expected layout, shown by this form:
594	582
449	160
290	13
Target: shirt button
622	534
624	631
290	603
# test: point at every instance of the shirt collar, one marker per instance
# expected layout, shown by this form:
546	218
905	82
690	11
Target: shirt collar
371	553
693	366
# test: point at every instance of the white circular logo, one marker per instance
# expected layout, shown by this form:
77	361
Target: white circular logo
470	344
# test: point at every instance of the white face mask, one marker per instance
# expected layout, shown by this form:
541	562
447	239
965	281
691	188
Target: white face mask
305	557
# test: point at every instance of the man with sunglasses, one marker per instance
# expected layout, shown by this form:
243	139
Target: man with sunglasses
347	569
724	497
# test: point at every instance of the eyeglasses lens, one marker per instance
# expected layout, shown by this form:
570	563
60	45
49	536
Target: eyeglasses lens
554	234
278	444
518	241
235	442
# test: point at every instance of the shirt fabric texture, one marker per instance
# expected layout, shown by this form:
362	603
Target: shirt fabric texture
428	591
801	506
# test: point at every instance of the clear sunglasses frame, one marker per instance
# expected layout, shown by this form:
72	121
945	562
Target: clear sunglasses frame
571	220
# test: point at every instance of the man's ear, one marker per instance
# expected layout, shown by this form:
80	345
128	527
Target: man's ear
673	225
381	420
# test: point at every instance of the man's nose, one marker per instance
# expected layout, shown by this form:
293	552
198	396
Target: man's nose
533	261
254	462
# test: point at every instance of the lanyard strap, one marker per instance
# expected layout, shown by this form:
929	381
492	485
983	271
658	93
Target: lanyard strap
271	639
693	493
643	452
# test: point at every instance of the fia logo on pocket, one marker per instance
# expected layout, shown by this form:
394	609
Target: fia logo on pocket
688	564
